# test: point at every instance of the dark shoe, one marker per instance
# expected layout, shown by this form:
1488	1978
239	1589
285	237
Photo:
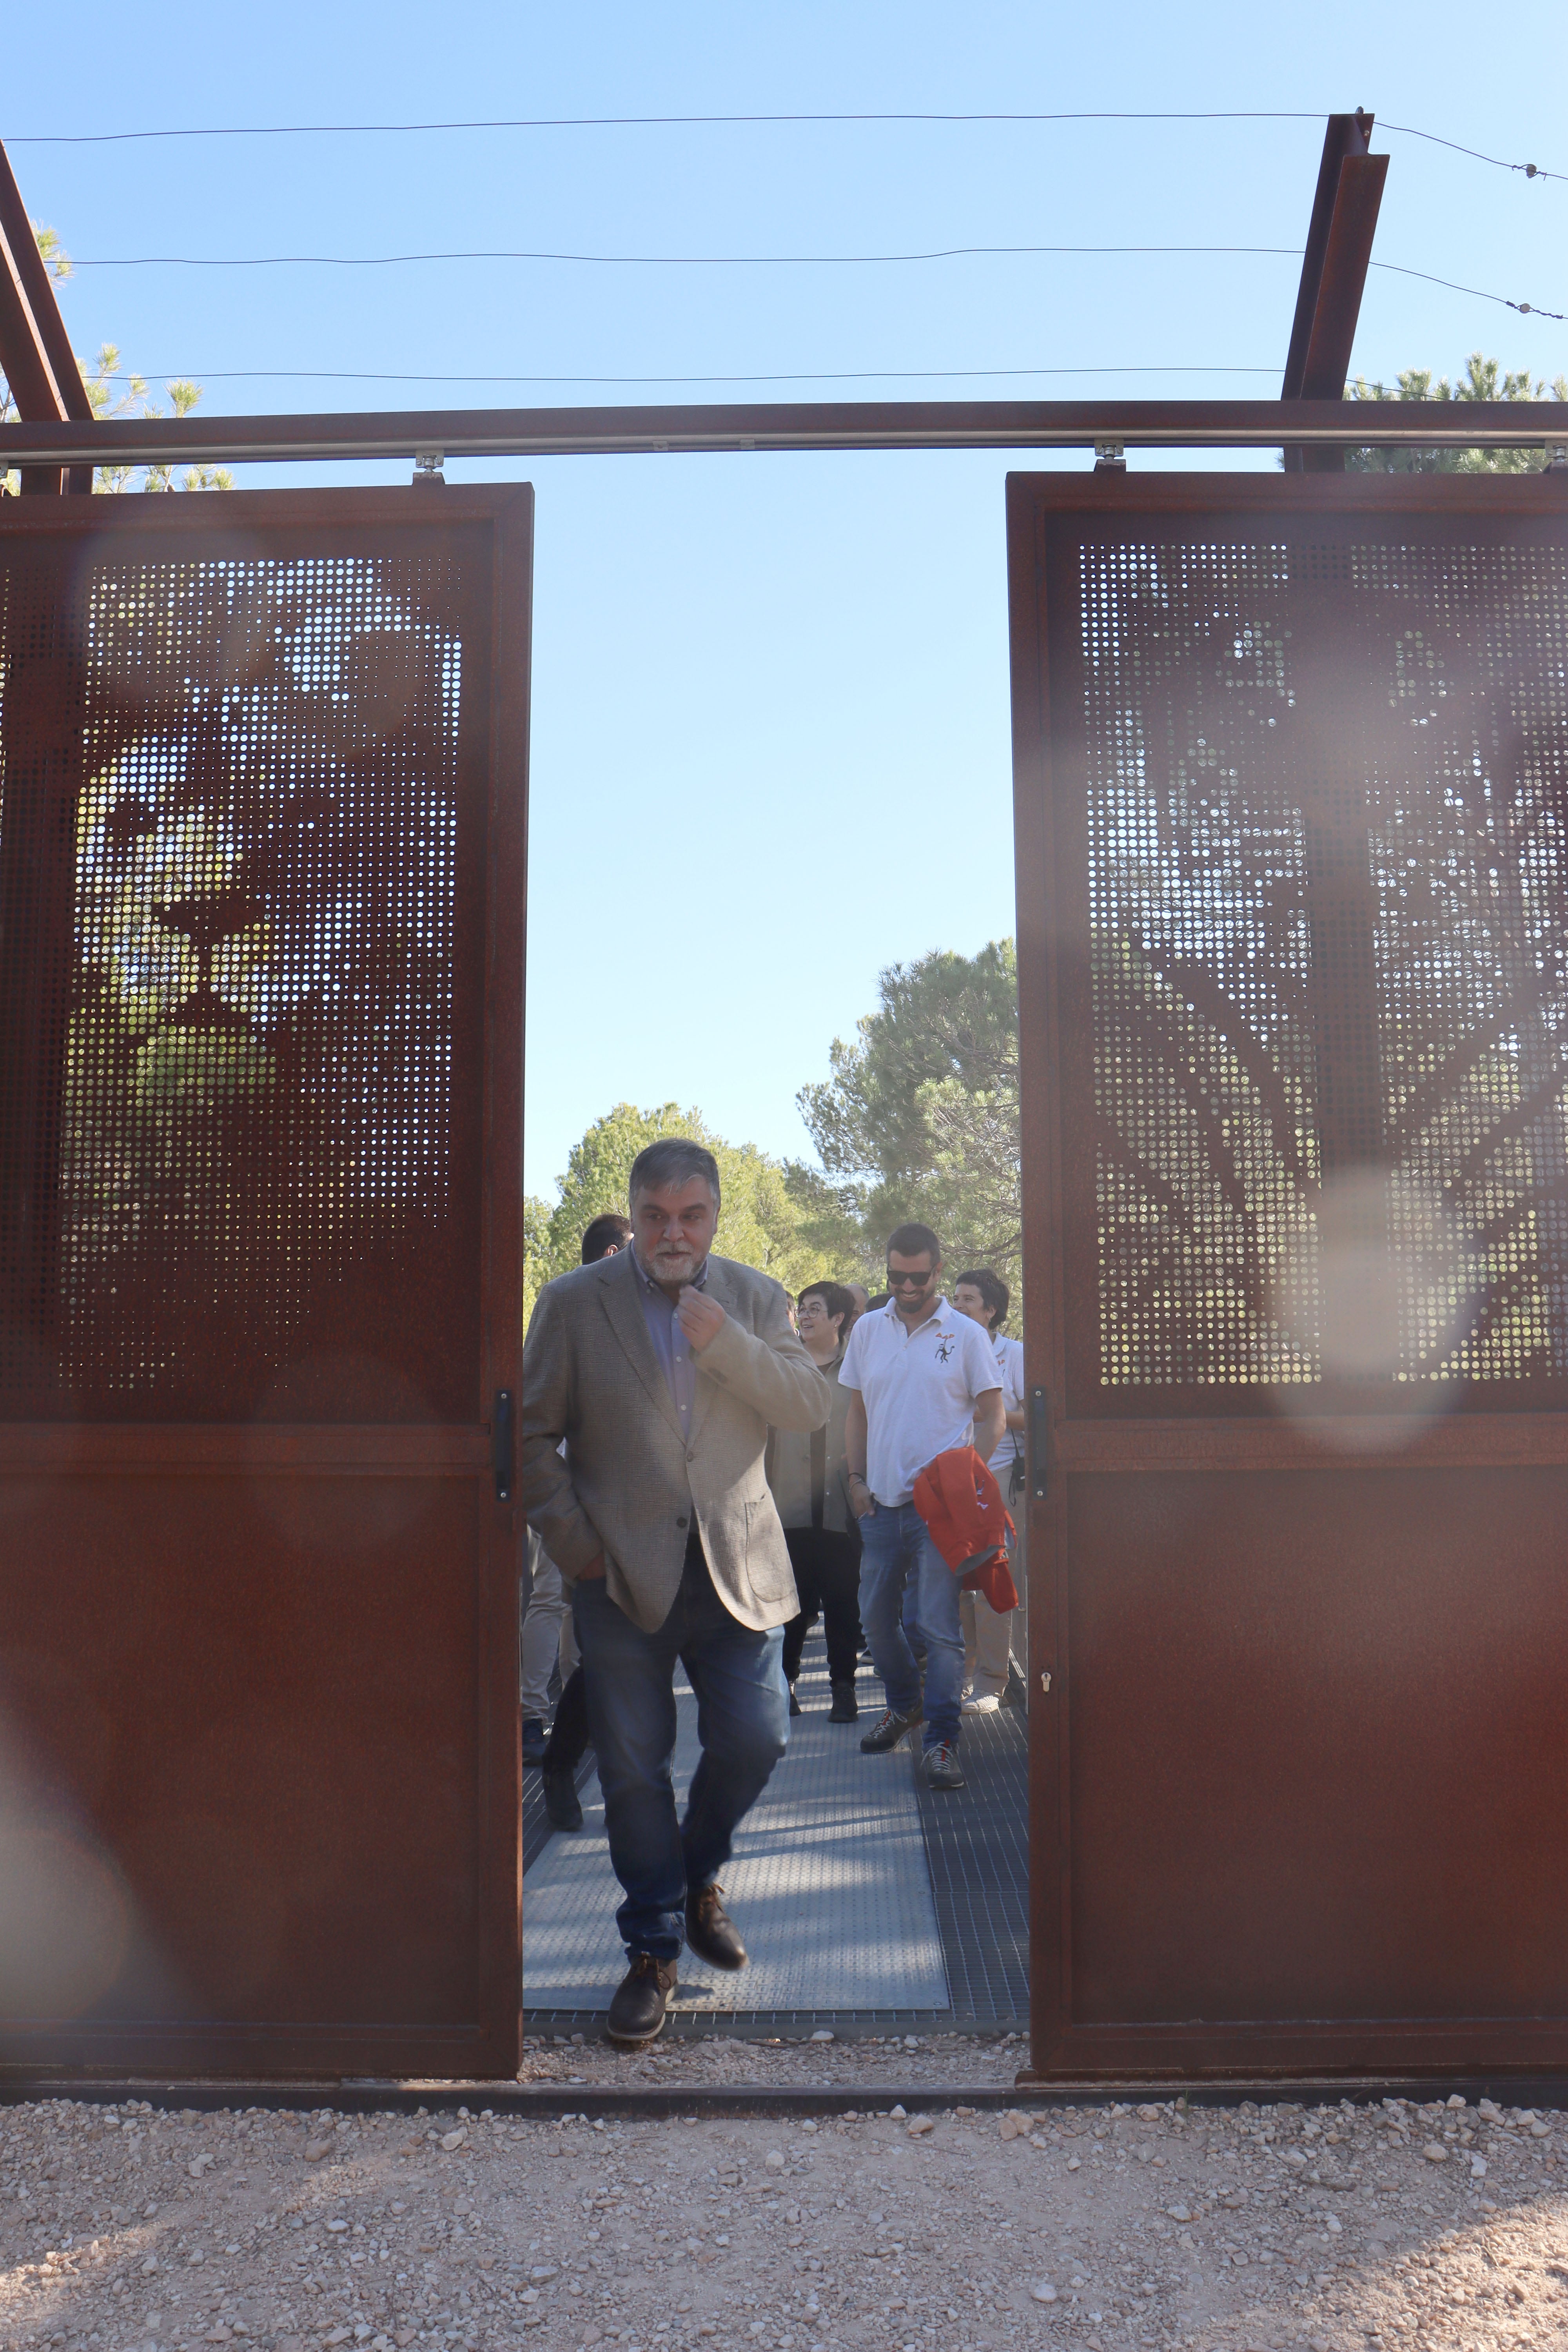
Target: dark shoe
710	1932
890	1731
940	1765
561	1799
844	1709
535	1739
795	1706
637	2010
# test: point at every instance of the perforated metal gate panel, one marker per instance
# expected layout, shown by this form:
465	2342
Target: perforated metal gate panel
265	1150
1327	873
1293	919
261	828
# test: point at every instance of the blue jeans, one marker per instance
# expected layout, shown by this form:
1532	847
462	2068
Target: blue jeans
742	1722
896	1551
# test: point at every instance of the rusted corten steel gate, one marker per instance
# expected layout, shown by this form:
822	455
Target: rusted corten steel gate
261	909
1292	814
1292	832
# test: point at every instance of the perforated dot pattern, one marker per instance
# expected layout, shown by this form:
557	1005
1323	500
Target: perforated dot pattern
1327	796
230	835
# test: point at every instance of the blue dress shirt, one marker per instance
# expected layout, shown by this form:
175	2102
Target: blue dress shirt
670	1344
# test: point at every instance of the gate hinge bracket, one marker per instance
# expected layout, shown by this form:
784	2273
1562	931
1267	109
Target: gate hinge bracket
427	465
1109	458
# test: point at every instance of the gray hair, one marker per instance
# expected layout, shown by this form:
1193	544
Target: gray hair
673	1160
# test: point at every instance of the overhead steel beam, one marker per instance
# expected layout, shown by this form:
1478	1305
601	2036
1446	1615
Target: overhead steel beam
1333	276
36	353
392	435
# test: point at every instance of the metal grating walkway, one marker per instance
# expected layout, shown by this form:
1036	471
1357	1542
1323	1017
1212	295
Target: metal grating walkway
977	1851
868	1901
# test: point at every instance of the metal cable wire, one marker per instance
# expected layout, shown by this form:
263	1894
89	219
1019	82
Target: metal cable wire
829	375
1525	309
694	121
642	261
760	261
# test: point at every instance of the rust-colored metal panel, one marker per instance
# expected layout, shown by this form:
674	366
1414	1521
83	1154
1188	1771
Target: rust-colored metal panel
262	842
1292	794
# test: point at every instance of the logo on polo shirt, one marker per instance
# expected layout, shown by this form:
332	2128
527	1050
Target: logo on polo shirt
944	1351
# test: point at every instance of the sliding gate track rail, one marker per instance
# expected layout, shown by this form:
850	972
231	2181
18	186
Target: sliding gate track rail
554	2102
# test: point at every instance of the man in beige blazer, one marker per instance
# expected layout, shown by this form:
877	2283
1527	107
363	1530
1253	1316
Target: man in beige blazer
663	1369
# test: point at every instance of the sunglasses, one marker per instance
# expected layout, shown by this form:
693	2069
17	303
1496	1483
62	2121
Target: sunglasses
910	1281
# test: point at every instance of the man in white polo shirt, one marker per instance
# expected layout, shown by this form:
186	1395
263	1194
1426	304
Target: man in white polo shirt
923	1379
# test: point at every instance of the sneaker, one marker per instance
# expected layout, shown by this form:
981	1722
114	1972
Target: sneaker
535	1739
795	1706
560	1802
986	1706
844	1709
940	1765
640	2000
890	1731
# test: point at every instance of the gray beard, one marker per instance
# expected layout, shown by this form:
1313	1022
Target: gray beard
680	1269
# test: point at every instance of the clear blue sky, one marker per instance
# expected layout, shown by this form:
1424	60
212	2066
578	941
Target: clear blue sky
770	739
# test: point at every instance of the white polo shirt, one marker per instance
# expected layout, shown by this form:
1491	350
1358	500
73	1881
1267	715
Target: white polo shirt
1010	1364
919	1388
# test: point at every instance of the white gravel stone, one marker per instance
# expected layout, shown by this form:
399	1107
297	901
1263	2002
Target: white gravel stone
668	2233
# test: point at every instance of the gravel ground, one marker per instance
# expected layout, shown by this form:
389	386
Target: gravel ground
1330	2227
716	2061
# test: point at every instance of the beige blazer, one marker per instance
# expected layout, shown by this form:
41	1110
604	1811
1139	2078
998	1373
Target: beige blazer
630	1484
789	1465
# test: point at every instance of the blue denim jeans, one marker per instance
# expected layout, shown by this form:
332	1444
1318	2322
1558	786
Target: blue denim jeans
742	1722
897	1551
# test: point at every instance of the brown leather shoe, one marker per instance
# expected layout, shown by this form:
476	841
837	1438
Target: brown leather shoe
710	1932
637	2010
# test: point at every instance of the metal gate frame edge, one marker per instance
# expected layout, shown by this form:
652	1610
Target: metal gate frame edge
490	2048
1242	2053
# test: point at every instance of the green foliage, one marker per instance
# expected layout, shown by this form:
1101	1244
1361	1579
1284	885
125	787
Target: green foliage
535	1249
920	1117
134	401
760	1221
1483	379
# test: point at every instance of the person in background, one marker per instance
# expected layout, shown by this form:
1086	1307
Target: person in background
860	1295
663	1370
811	1487
990	1636
547	1633
924	1379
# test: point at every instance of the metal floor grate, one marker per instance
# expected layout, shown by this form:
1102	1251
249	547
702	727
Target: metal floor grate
977	1850
974	1852
827	1884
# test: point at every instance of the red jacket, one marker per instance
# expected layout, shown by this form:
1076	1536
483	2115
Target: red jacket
961	1506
